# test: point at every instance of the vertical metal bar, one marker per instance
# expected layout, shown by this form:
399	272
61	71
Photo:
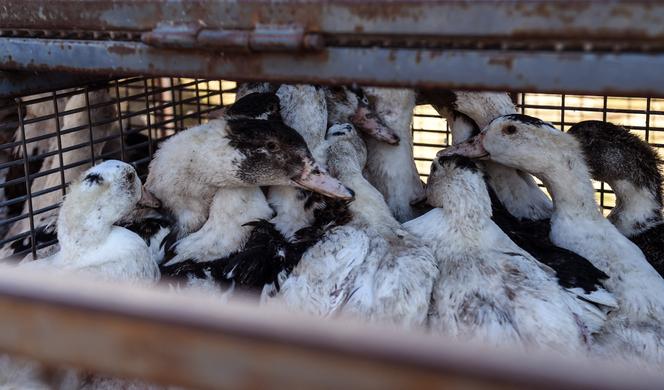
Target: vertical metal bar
181	117
562	112
174	106
198	101
523	103
147	116
92	144
648	120
59	138
26	170
602	185
119	108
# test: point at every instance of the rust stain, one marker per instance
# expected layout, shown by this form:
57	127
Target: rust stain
504	61
121	50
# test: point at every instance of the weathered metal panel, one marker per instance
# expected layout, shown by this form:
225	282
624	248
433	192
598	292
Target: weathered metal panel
202	343
628	74
13	84
586	19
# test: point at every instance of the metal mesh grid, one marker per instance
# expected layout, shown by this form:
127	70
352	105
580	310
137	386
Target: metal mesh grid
121	119
643	116
129	119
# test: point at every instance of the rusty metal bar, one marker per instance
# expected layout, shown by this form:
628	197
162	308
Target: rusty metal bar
200	342
625	74
579	19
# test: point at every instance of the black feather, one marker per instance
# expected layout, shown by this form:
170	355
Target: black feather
571	269
651	242
267	253
44	236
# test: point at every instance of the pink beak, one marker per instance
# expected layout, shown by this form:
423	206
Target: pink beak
472	148
367	121
148	199
316	179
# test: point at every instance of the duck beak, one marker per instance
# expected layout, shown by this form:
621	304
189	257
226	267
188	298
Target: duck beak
367	121
472	148
316	179
148	199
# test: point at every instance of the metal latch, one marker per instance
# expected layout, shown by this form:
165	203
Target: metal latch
261	38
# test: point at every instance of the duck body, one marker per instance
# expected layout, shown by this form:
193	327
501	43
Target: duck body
519	207
633	330
370	268
89	243
633	170
489	290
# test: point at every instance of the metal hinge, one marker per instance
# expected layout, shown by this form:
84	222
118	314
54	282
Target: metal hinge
261	38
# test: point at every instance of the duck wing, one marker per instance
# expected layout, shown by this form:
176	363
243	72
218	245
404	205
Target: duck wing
651	242
574	272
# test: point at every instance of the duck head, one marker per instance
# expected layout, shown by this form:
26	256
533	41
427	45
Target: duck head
275	154
515	140
613	154
109	191
352	105
256	105
345	151
456	183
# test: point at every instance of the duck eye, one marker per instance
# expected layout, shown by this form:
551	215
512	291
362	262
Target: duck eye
509	130
271	146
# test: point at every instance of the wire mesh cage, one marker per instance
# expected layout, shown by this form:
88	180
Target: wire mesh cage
127	118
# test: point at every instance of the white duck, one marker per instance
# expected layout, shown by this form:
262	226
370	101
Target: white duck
89	242
76	136
489	290
237	155
370	268
634	330
633	170
466	113
391	168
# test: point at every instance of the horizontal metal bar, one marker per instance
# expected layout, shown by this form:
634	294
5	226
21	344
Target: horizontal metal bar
586	19
200	342
28	83
612	74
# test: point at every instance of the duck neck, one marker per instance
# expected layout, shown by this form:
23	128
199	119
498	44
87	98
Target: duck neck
391	169
289	204
81	229
637	208
570	186
518	192
369	207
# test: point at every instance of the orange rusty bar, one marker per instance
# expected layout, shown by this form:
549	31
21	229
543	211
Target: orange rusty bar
195	342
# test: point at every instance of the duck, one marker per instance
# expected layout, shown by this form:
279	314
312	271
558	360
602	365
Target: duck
633	331
633	170
489	290
89	241
231	152
391	168
527	223
370	268
75	136
351	105
466	113
249	153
